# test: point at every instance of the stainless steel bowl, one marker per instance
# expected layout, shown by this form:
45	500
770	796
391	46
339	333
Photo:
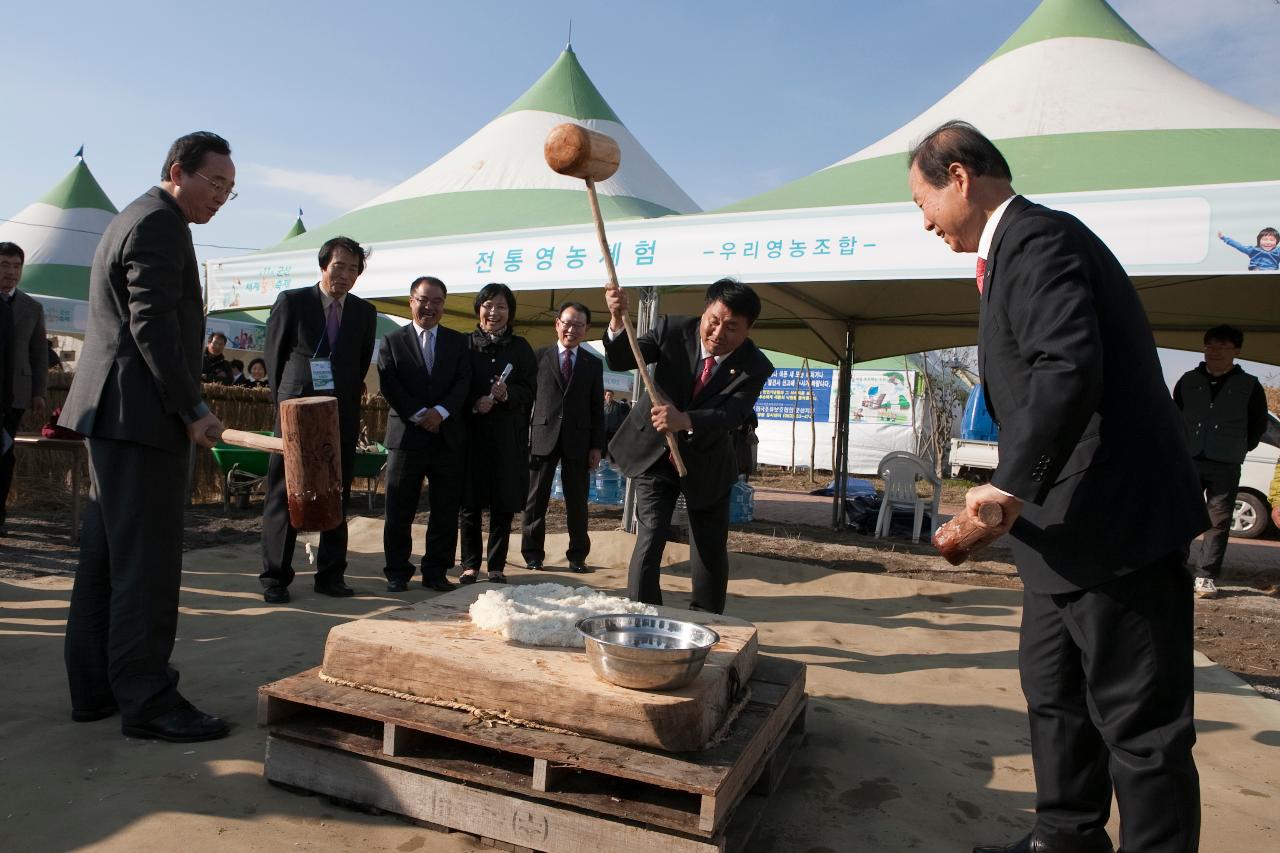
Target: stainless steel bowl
646	652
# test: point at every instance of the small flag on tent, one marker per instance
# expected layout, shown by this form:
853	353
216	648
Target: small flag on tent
80	153
299	213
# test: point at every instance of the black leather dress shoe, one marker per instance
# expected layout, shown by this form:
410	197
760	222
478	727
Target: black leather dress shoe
90	715
335	589
441	585
580	569
397	586
276	595
184	724
533	565
1036	844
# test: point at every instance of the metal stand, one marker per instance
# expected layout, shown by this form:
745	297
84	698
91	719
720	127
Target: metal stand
646	317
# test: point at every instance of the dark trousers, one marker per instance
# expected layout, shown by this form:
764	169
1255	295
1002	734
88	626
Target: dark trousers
656	491
1219	481
574	476
469	524
124	604
12	417
279	536
406	470
1107	673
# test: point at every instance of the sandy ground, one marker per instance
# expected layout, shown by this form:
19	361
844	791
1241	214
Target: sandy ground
916	739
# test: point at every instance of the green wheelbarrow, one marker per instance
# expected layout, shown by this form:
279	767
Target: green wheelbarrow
244	470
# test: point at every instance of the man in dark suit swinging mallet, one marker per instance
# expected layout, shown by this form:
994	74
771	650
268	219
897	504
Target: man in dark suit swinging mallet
711	373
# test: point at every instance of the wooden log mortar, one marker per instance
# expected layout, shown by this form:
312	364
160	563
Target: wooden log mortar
576	152
311	445
959	539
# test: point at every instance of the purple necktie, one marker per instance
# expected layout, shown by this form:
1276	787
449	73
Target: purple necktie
566	366
332	324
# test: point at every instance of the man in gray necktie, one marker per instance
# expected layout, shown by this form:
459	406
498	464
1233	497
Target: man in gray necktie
425	374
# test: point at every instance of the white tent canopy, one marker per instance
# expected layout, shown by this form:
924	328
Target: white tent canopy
1093	121
59	234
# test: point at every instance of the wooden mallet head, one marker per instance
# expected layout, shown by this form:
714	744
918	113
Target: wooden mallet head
312	448
312	462
574	151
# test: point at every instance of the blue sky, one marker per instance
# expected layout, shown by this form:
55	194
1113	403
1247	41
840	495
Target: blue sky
325	104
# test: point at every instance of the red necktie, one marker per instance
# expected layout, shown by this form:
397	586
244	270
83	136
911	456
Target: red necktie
566	366
982	272
707	363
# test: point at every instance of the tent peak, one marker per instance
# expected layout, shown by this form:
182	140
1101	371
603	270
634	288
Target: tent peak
79	189
298	228
565	89
1071	19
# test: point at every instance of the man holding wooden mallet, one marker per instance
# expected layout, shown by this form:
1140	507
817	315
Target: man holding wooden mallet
137	397
712	374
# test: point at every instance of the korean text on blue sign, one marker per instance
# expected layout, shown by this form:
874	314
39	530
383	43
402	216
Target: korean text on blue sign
786	396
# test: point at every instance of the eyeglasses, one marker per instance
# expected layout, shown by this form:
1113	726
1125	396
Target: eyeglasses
218	186
573	327
422	300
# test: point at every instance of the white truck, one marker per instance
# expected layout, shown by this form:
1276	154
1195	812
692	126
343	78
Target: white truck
977	460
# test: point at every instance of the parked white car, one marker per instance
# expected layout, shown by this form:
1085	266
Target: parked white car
1253	512
977	460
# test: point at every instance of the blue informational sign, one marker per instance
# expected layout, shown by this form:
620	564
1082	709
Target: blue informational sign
786	395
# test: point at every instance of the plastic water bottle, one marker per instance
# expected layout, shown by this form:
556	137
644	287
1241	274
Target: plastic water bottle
606	485
557	488
742	501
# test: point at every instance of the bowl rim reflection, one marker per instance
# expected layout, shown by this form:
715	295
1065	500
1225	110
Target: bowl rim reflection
587	635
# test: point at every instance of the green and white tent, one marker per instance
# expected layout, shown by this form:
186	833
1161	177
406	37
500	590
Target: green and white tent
1093	121
298	228
497	179
59	234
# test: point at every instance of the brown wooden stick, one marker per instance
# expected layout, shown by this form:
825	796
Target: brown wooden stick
655	394
252	440
959	539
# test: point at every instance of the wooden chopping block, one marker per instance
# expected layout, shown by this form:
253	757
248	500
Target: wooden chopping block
432	650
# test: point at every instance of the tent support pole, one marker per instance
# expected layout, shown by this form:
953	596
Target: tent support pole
841	461
646	316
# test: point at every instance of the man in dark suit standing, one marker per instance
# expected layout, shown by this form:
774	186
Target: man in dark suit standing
1099	496
712	374
566	428
136	395
319	343
425	373
24	358
615	412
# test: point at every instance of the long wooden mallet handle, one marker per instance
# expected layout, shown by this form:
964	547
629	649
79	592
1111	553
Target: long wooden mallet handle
252	440
573	150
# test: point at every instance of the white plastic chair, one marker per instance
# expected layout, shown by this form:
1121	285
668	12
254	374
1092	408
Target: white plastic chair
901	471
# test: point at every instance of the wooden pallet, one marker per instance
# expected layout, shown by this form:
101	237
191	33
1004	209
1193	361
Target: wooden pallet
532	789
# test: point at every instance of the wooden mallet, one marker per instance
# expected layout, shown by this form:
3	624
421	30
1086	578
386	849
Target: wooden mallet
576	152
311	445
